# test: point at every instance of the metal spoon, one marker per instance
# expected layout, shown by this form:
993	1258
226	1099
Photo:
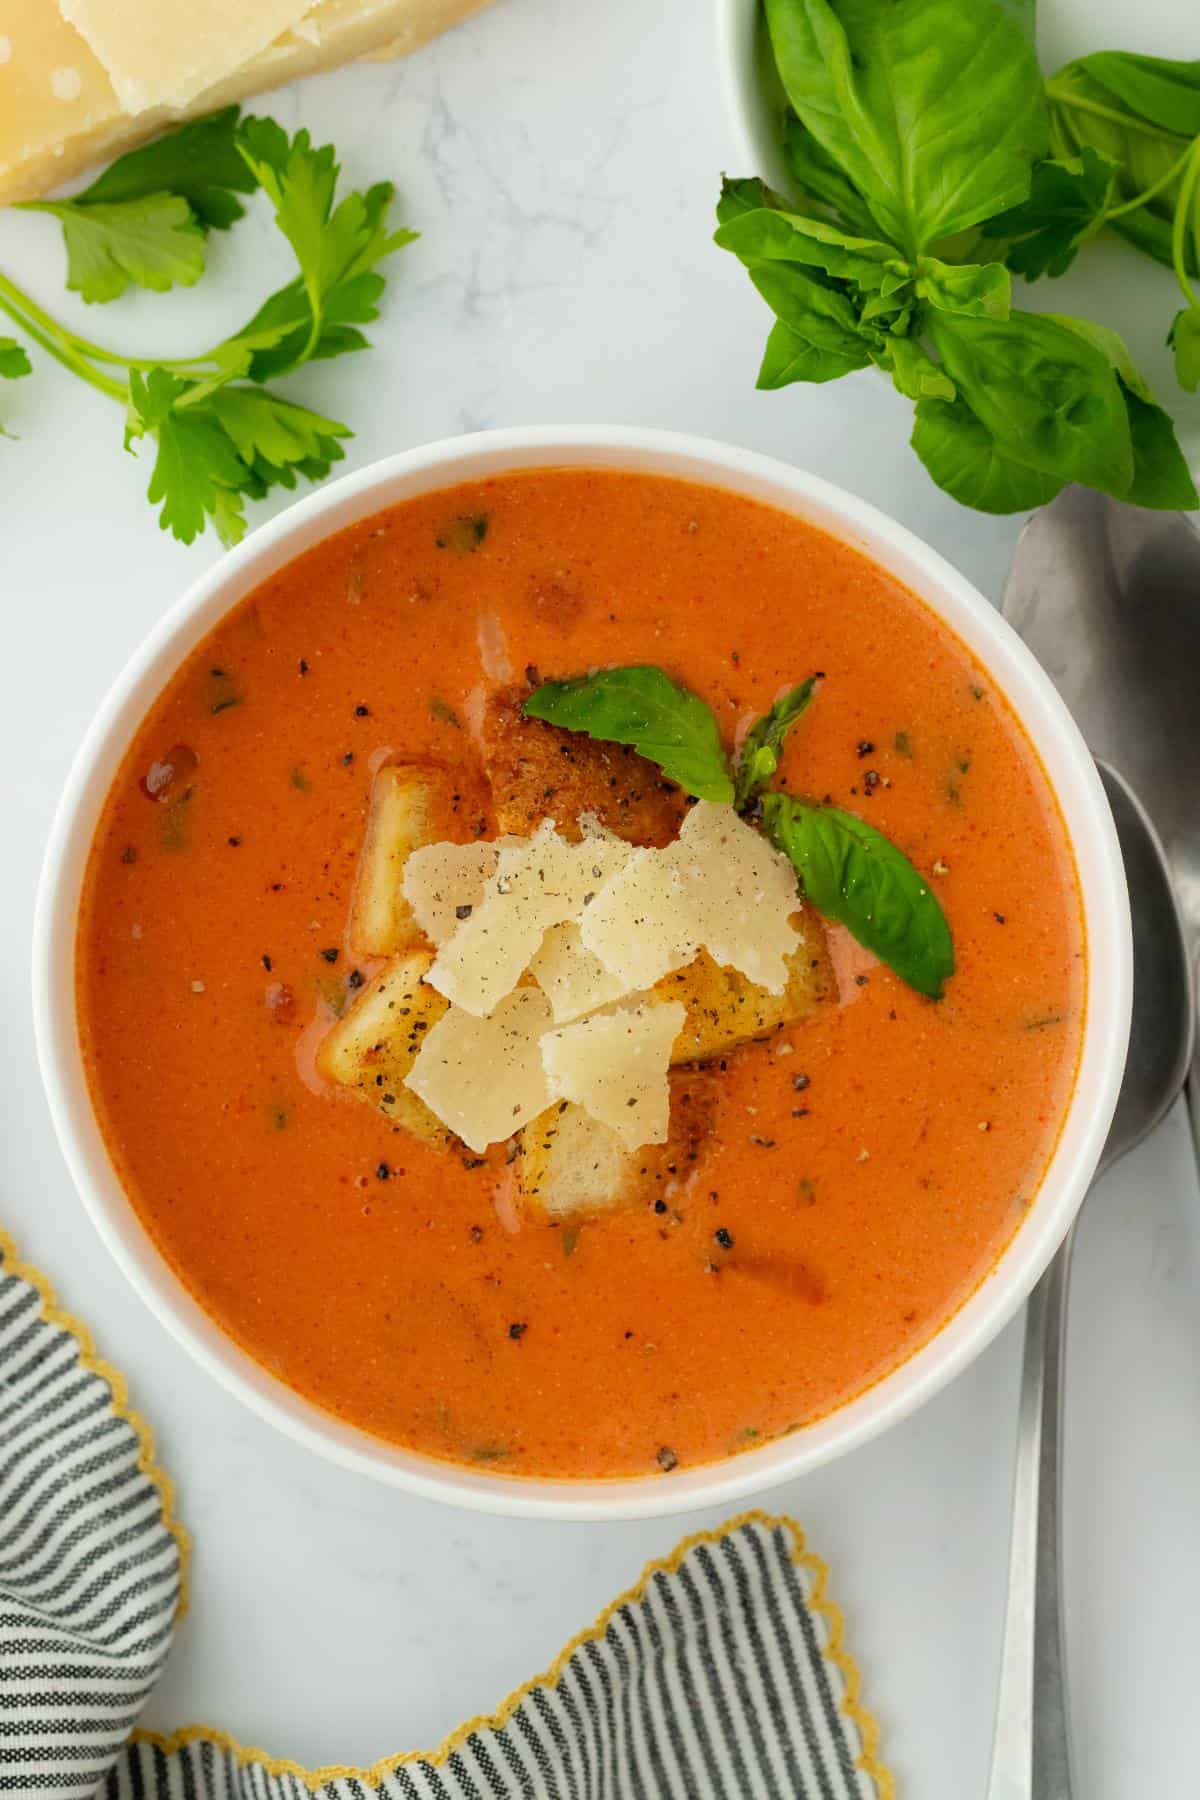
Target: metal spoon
1107	597
1031	1750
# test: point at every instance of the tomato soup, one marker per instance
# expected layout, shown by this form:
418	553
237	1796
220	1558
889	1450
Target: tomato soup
859	1172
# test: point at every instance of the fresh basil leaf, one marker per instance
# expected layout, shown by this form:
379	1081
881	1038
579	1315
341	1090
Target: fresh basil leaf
1161	477
913	370
746	194
1184	339
982	290
817	337
762	746
932	109
1161	91
963	457
1067	202
1046	396
766	235
819	178
852	873
200	162
641	706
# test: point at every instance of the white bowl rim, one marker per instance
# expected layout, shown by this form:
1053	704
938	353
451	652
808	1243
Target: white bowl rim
1009	664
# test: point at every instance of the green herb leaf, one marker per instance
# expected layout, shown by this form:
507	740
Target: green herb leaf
819	178
153	243
963	458
1161	477
932	109
913	371
14	361
981	290
817	337
762	746
197	472
769	235
852	873
1067	203
200	162
641	706
337	249
1045	395
1140	113
274	437
1184	339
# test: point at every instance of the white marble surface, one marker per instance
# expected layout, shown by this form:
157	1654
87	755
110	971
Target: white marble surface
560	160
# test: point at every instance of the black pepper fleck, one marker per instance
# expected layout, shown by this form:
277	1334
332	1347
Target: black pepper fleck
724	1238
234	843
266	962
362	712
667	1460
303	666
660	1206
129	854
864	747
800	1082
330	955
463	912
517	1330
383	1172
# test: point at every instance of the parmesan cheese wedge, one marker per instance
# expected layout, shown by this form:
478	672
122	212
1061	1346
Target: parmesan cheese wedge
165	54
615	1065
59	110
484	1078
539	882
573	979
720	886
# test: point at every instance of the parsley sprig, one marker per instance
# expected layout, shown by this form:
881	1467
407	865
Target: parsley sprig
221	435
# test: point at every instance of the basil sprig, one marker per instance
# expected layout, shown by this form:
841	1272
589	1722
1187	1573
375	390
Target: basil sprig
846	869
852	873
929	164
762	746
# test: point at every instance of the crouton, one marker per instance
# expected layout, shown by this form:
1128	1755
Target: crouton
372	1047
724	1010
539	771
412	804
571	1166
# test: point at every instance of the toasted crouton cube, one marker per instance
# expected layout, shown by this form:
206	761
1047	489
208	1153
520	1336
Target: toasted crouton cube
412	804
572	1166
372	1047
538	771
724	1010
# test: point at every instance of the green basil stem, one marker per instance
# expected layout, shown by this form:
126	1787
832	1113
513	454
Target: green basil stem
1127	121
1183	207
1147	194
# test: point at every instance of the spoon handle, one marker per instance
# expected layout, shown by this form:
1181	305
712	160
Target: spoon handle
1031	1748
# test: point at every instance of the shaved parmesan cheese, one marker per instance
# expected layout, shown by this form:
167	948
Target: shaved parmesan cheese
484	1078
440	879
720	886
573	979
614	1065
641	926
166	54
539	882
742	892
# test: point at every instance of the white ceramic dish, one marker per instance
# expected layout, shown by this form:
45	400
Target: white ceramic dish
1010	667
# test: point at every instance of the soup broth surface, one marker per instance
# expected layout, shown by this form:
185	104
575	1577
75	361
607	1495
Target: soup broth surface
868	1165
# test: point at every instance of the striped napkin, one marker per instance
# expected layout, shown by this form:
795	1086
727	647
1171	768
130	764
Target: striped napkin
720	1674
